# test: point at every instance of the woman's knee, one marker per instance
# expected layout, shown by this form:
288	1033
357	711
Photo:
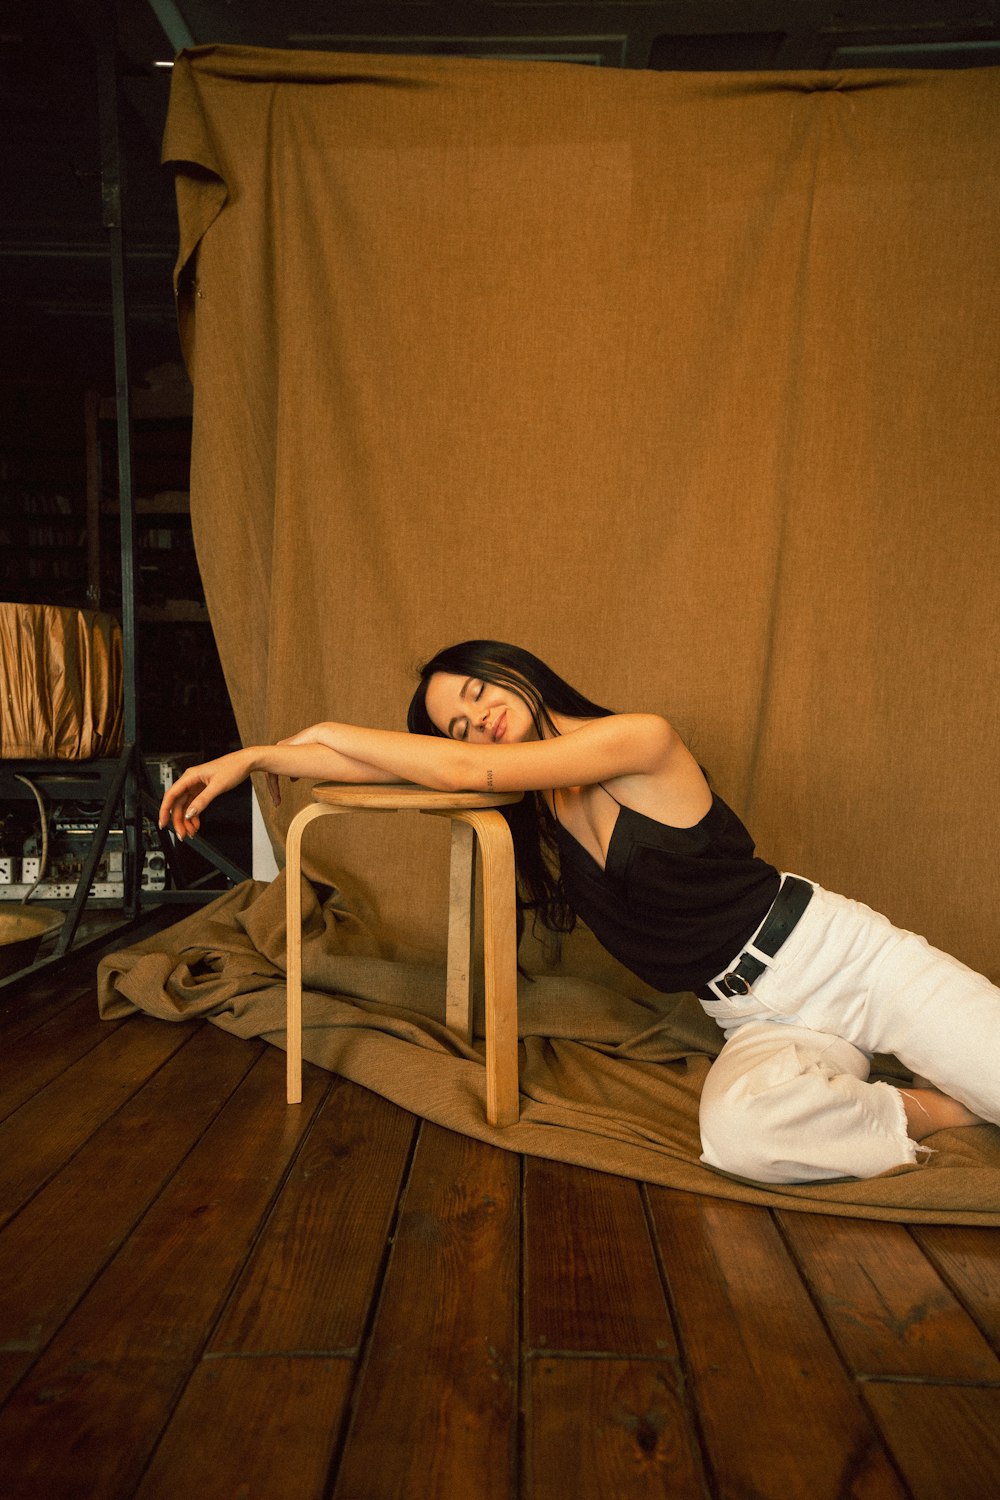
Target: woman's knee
772	1102
737	1134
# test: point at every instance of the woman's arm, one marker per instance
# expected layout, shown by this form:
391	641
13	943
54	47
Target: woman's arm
185	801
620	745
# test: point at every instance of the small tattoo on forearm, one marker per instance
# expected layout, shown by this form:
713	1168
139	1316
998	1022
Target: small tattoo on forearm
489	781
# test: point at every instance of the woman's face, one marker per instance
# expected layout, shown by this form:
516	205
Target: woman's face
467	708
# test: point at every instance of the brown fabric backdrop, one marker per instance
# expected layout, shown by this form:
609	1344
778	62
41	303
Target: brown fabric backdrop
685	382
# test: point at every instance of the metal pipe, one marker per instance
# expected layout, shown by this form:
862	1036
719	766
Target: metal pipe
114	222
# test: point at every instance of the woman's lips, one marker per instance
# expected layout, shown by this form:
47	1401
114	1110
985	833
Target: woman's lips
500	726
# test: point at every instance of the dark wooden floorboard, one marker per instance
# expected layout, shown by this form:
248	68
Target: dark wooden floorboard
264	1427
893	1316
26	1010
944	1437
780	1416
596	1428
968	1260
35	1059
203	1290
591	1282
309	1285
54	1249
39	1137
107	1382
436	1405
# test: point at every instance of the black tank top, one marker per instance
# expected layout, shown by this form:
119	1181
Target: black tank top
674	905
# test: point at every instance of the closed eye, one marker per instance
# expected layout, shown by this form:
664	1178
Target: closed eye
480	690
459	728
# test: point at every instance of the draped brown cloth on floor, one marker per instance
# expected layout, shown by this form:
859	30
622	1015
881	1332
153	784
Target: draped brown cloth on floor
607	1081
686	382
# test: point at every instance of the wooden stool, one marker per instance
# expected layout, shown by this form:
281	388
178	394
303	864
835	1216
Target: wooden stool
473	815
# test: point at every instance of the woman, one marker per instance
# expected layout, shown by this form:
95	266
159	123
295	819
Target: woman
623	831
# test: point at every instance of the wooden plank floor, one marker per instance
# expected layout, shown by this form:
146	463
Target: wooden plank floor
205	1292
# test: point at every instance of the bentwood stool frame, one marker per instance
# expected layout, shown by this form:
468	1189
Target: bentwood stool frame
474	819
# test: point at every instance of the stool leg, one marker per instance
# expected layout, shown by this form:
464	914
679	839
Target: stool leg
461	896
293	948
500	957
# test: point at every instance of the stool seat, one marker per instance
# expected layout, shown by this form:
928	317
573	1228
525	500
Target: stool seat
403	796
475	821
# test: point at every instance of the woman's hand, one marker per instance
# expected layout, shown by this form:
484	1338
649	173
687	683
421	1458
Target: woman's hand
185	801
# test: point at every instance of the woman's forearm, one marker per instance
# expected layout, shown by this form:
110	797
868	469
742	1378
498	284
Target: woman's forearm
620	744
197	787
315	761
390	755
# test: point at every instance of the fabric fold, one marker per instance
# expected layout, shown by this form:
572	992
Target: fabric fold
607	1081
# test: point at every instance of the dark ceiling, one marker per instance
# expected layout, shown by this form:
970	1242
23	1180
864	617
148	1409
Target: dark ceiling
54	292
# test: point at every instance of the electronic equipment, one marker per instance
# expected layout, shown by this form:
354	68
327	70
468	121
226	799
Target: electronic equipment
66	839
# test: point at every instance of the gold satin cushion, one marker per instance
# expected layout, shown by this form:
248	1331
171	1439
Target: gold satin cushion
61	671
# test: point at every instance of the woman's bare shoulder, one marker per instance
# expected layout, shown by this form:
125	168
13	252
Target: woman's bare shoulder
672	788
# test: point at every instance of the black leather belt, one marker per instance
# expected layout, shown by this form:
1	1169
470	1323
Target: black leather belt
786	909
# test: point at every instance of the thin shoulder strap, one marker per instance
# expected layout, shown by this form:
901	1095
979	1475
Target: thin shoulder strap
603	788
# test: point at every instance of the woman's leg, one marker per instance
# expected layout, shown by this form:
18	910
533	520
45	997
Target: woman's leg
786	1104
846	970
789	1100
927	1110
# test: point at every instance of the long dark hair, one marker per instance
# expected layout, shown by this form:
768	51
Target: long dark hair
533	829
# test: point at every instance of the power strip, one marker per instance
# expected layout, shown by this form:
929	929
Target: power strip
101	890
154	878
61	890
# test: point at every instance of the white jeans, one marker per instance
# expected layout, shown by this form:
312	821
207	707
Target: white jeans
789	1099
